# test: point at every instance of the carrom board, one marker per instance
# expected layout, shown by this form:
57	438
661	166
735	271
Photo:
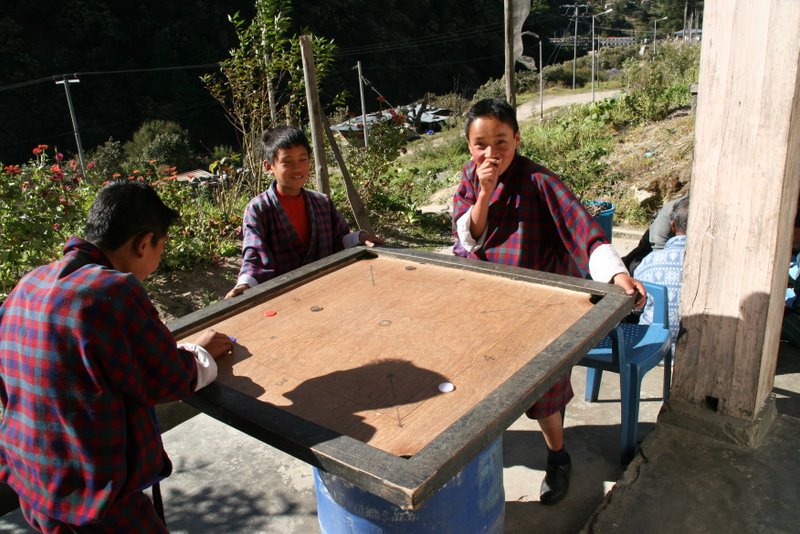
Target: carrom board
347	362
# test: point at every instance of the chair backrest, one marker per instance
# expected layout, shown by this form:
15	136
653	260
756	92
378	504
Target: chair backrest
660	303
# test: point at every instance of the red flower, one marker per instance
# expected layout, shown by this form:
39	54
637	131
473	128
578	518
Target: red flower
37	150
90	165
12	169
56	226
381	98
116	175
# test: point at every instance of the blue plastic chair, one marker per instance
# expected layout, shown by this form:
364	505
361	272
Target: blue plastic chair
632	350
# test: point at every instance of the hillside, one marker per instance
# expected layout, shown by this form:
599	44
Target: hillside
651	163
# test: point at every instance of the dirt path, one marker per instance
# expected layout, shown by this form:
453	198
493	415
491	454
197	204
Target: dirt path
531	108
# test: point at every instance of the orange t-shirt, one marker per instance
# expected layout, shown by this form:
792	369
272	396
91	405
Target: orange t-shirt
295	208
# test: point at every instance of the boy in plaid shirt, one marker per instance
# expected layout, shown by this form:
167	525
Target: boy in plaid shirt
509	210
84	359
288	226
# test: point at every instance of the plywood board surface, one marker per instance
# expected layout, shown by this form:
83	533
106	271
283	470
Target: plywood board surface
363	350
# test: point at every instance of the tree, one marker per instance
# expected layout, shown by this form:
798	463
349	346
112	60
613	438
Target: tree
261	84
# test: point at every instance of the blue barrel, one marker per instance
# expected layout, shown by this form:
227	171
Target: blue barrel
472	501
606	217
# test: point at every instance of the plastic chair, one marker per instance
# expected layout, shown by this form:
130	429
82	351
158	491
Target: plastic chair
632	350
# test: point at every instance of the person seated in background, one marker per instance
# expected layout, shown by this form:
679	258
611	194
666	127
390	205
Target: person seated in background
665	267
654	238
790	329
288	226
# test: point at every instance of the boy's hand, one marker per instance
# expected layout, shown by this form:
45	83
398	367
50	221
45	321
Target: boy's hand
631	286
216	343
488	175
368	239
238	290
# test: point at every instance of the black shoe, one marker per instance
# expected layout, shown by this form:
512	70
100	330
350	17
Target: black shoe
555	483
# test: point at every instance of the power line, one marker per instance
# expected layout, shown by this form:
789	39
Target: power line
55	77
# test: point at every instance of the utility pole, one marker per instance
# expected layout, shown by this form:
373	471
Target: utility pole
655	23
575	40
609	10
363	106
508	13
65	82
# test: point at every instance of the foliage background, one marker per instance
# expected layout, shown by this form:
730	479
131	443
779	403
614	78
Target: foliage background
142	61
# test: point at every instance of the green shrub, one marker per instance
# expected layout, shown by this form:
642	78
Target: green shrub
573	145
161	143
109	158
491	89
658	85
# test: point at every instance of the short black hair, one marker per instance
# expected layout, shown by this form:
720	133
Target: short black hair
284	137
680	214
492	107
124	209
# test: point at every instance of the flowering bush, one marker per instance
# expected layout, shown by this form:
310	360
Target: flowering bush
45	201
41	204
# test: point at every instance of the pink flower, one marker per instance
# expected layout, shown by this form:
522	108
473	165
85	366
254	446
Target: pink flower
90	165
73	164
59	156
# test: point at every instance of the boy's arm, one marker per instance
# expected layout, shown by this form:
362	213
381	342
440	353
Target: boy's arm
209	346
257	261
464	201
136	350
464	233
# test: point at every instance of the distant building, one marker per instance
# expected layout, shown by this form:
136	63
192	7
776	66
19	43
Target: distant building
695	34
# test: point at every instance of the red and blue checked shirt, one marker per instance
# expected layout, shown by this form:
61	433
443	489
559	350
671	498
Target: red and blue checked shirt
84	359
271	245
534	221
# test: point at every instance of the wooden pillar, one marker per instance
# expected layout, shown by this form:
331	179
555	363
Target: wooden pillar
743	199
314	114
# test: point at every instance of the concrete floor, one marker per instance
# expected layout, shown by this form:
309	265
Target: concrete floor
226	482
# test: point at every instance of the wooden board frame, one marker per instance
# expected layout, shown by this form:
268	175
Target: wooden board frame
405	482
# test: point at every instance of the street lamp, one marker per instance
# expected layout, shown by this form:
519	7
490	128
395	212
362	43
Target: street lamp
541	68
609	10
655	23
